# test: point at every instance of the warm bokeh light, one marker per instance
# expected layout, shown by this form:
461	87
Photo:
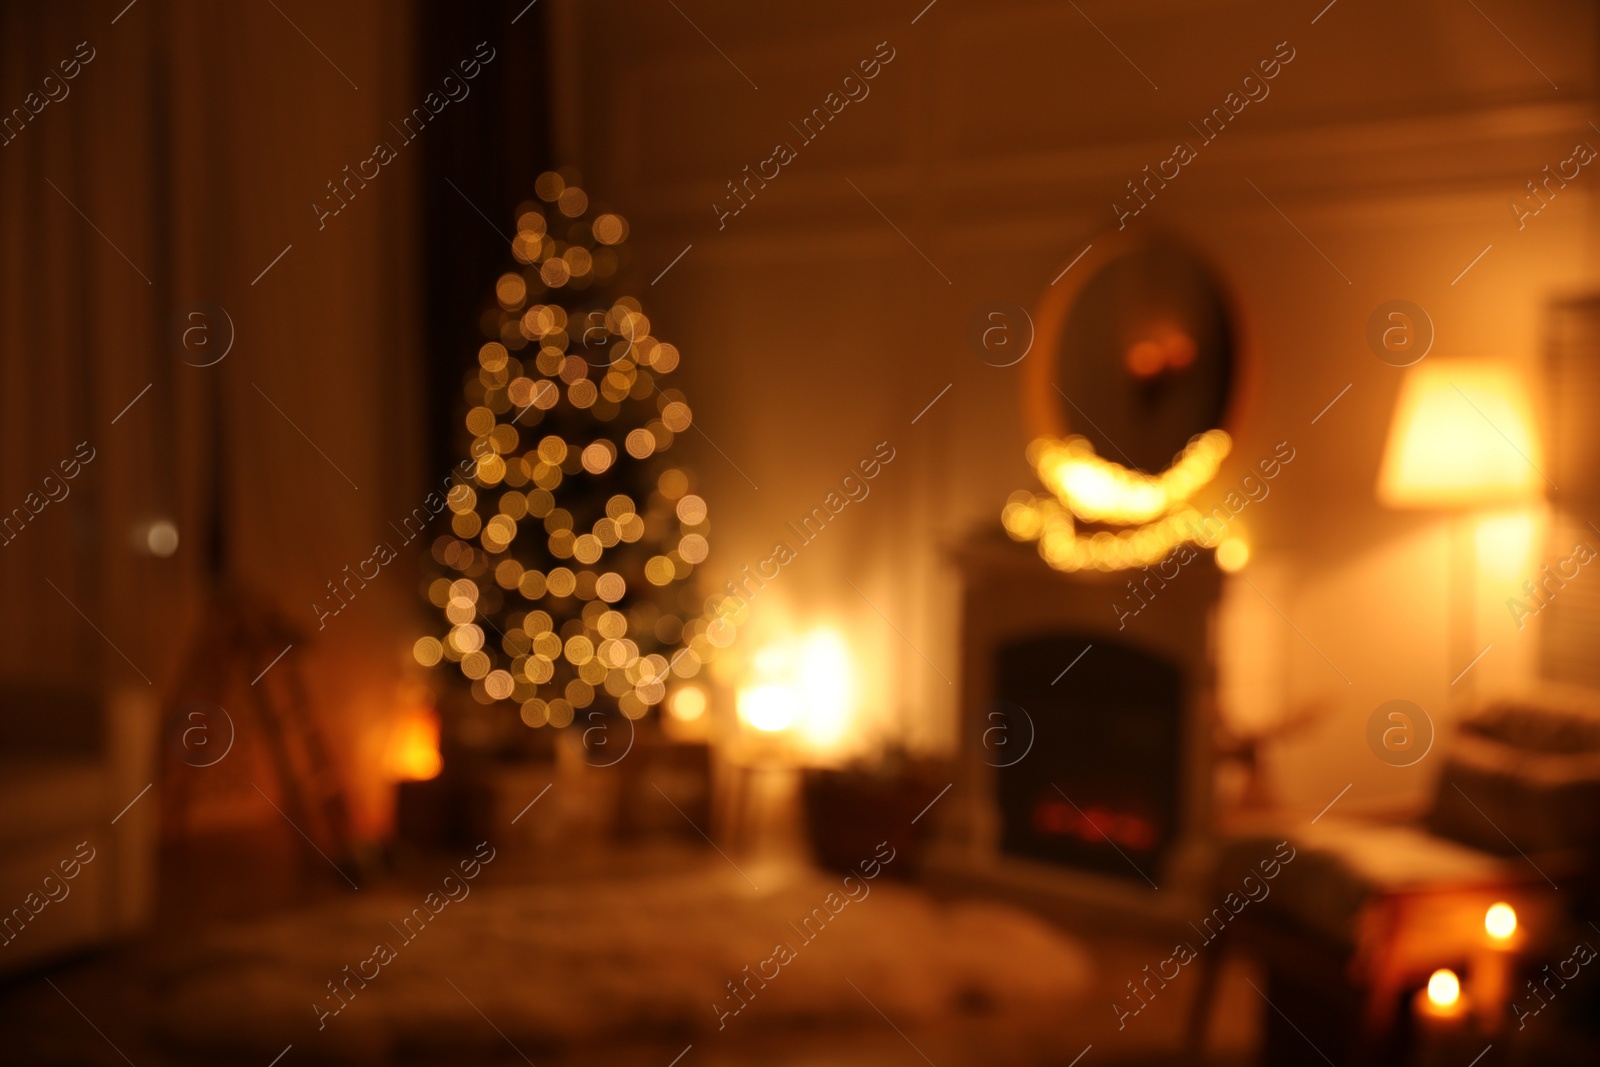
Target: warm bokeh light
1500	921
768	708
1100	490
1444	988
805	686
1233	554
824	684
1462	436
1085	487
1170	347
687	704
589	364
1504	543
414	750
1027	517
161	539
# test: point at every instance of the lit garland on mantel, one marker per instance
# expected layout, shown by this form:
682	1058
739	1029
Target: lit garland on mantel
1097	490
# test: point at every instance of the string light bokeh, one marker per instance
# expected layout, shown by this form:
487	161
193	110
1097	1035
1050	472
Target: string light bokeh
565	573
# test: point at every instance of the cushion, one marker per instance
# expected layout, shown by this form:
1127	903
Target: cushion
1339	864
1524	774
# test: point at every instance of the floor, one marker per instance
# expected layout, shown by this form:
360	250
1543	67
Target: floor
525	993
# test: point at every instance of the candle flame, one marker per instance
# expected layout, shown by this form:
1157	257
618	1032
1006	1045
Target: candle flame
1500	921
1444	988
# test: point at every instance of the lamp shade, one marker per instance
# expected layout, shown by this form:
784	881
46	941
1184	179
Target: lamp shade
1462	436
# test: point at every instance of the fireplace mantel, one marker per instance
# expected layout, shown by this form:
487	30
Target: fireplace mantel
1010	595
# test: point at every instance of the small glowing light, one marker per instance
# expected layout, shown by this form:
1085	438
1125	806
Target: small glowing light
769	708
578	260
659	570
535	712
673	483
610	229
676	416
1233	554
414	753
161	538
510	291
548	185
691	510
1500	921
599	456
688	703
572	202
693	548
555	273
1444	988
640	444
561	582
1145	359
498	684
664	358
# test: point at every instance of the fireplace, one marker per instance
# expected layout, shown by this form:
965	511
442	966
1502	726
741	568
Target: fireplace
1085	770
1100	789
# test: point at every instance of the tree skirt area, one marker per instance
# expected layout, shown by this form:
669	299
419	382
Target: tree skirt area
619	971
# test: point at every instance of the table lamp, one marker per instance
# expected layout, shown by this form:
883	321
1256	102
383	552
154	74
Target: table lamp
1462	439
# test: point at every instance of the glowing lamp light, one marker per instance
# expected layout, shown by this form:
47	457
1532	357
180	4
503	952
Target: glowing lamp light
1444	988
1500	921
414	754
1462	436
804	689
1503	542
769	708
824	689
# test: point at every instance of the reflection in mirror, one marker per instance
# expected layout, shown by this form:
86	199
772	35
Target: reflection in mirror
1145	356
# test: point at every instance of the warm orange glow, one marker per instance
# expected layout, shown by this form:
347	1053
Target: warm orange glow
1462	436
1233	554
1170	347
1085	487
1504	543
1145	359
1444	988
1500	921
804	686
824	685
1100	490
769	708
687	704
414	752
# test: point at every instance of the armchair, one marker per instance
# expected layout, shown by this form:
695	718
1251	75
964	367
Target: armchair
1367	911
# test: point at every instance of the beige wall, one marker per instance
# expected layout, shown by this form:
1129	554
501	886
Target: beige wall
996	141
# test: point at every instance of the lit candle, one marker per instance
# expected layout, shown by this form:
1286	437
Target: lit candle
1491	966
1441	1012
1442	998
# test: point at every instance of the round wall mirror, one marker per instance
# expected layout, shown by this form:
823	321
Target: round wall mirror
1136	351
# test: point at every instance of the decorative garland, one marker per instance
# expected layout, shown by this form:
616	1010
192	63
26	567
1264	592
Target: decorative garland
1098	490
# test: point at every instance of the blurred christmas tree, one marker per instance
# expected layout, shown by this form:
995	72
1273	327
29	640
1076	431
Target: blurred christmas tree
564	570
